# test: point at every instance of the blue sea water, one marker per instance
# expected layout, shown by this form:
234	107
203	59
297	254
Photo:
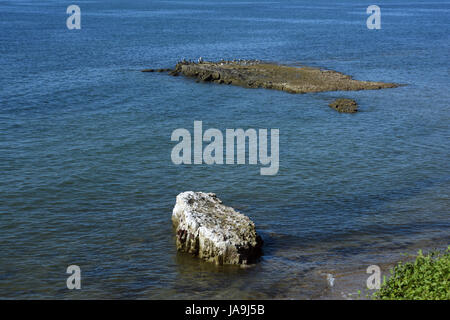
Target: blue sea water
87	178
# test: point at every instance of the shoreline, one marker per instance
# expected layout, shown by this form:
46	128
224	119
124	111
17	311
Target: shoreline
350	282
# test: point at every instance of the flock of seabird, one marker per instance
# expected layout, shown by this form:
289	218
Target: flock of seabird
222	62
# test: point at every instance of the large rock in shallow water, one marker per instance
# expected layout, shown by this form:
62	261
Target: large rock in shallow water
344	105
214	232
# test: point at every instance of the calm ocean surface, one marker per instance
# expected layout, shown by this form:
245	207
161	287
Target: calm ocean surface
87	178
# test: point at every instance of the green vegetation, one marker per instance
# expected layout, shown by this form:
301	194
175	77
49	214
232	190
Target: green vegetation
427	278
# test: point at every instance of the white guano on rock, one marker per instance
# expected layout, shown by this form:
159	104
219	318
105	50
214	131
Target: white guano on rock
214	232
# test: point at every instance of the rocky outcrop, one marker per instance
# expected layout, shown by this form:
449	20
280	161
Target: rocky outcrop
157	70
257	74
214	232
344	105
